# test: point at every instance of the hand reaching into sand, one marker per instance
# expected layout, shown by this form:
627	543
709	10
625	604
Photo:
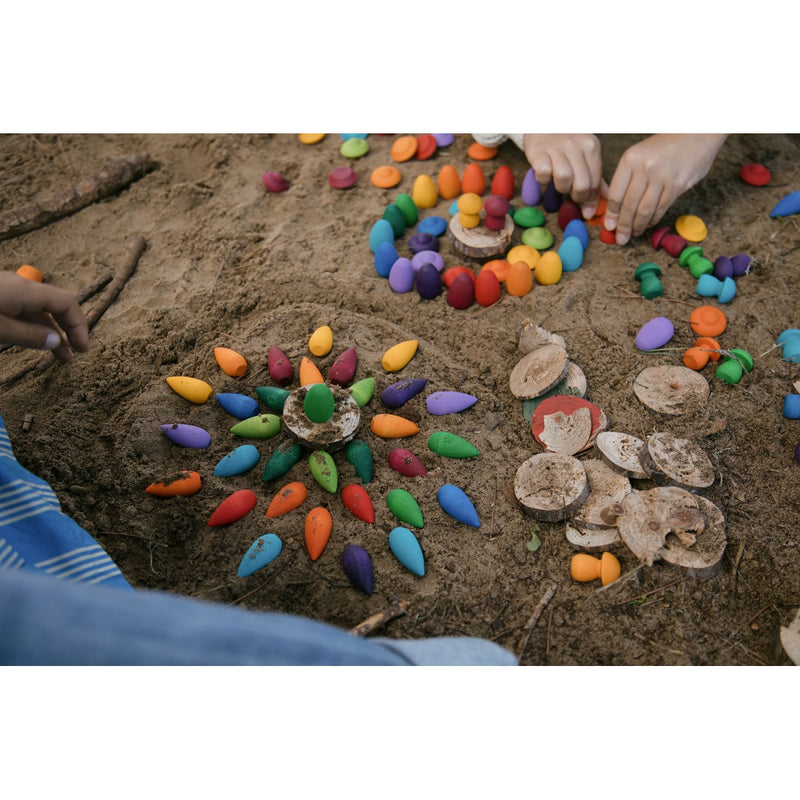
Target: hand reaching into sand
572	161
652	174
31	314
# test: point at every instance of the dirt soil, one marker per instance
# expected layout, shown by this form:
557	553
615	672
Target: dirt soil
228	263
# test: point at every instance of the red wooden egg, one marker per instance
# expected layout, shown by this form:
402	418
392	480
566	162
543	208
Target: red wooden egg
461	293
755	174
569	211
406	463
356	500
487	288
503	183
609	237
233	507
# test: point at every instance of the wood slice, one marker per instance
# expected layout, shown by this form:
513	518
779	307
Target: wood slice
573	382
551	486
790	638
592	540
671	461
702	558
538	371
671	389
330	435
621	452
530	336
649	516
480	242
606	488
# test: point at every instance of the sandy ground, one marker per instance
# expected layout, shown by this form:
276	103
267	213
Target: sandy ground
227	263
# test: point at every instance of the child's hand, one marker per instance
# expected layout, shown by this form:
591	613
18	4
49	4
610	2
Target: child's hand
572	161
31	314
652	174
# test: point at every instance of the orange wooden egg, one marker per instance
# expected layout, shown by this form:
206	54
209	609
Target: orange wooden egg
473	181
503	182
185	483
230	362
448	182
392	426
317	531
287	499
487	288
519	280
309	373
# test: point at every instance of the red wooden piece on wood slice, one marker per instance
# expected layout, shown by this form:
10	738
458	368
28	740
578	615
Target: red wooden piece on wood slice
567	424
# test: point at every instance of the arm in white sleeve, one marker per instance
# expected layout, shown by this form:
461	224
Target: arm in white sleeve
496	139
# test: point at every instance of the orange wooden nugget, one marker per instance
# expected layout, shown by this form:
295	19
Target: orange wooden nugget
480	152
391	426
317	531
287	499
404	148
309	373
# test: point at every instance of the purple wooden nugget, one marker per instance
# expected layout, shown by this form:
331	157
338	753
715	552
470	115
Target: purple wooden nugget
187	435
423	241
449	402
357	565
394	395
428	257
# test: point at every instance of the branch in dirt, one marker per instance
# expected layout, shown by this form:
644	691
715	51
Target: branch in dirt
117	174
381	618
534	618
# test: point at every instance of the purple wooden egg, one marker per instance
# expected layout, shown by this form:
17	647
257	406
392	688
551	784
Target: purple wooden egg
531	191
461	293
552	198
449	402
723	268
357	565
343	369
428	257
406	463
655	333
187	435
741	264
797	453
394	395
429	282
401	276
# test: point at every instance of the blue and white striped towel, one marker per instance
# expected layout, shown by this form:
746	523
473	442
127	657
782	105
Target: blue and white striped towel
35	534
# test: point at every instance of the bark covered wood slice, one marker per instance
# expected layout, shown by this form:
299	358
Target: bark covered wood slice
790	638
621	452
551	486
573	382
530	336
671	389
671	461
480	242
538	371
557	412
606	488
701	558
329	435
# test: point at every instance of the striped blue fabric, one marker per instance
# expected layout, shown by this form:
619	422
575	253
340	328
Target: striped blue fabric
36	535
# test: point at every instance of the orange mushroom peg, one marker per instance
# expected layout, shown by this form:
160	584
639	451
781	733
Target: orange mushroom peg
585	567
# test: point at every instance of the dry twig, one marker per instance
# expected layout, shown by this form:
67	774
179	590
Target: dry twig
396	609
534	618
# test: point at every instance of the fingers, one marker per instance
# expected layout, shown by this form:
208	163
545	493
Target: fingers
32	313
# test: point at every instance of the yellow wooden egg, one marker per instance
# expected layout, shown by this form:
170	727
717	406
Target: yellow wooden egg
523	252
192	389
321	341
692	228
395	358
470	203
424	194
519	280
548	268
311	138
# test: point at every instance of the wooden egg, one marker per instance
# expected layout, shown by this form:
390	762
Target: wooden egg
287	499
263	550
317	531
473	180
424	193
548	269
309	373
280	368
396	357
185	483
487	288
192	389
233	507
519	280
321	341
358	503
503	182
230	362
448	182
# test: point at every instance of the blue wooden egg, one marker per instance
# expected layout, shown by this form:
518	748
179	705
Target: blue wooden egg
238	461
406	548
238	405
263	550
456	503
385	255
578	229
